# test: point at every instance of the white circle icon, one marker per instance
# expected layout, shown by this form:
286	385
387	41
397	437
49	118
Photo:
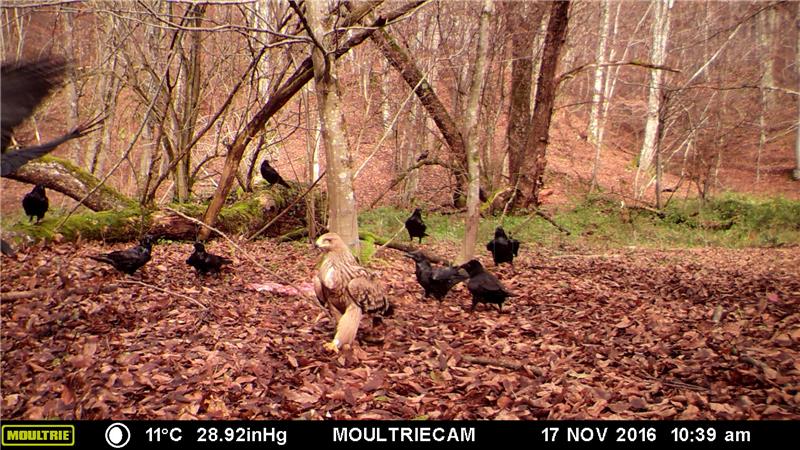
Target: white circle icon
118	435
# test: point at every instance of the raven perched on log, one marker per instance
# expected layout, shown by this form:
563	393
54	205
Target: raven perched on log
205	262
271	175
503	248
25	84
485	287
129	260
436	282
35	203
415	226
347	290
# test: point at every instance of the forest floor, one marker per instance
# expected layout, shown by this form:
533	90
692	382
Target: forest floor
625	333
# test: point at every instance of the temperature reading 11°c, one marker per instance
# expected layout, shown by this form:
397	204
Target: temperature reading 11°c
157	434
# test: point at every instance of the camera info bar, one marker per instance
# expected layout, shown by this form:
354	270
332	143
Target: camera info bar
142	434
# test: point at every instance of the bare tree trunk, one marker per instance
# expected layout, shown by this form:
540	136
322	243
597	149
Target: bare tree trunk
597	96
342	212
797	69
519	111
657	57
72	88
190	93
531	174
109	86
763	31
472	114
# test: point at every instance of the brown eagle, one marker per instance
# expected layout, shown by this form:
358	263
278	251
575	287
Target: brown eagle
347	290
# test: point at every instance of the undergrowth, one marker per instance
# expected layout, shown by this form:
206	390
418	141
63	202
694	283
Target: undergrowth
730	220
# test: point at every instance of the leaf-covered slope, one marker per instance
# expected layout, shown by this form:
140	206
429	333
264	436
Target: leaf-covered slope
627	334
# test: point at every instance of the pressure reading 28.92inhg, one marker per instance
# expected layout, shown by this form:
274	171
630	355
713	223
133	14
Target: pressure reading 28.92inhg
241	434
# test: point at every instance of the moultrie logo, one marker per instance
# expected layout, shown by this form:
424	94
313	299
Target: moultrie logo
37	435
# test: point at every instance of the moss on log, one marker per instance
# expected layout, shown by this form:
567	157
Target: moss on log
244	216
62	176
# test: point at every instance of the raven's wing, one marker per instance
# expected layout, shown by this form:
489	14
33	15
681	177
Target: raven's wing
25	85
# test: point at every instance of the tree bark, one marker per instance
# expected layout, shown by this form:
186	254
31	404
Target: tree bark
531	174
281	96
64	177
519	112
472	219
342	211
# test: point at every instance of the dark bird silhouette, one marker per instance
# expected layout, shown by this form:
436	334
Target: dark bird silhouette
438	281
129	260
35	203
415	226
503	248
271	175
6	248
205	262
485	287
25	84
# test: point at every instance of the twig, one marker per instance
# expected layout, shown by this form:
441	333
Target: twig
166	291
551	221
675	383
555	305
389	241
57	292
402	176
285	210
587	256
486	361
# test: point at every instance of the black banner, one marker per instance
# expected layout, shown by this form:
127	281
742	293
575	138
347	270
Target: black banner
174	435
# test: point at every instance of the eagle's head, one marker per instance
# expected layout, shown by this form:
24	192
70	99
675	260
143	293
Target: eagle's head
330	242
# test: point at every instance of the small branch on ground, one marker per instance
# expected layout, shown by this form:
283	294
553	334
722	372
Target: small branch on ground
403	247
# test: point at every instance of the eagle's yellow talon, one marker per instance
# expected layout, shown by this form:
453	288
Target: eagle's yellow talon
331	347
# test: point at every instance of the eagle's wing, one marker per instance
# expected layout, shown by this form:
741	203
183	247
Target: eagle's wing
367	293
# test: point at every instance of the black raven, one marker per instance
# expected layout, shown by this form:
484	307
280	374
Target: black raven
25	84
6	249
485	287
503	248
415	226
436	282
205	262
129	260
271	175
35	203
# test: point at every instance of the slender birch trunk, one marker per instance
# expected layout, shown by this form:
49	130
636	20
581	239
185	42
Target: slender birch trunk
651	131
471	130
597	96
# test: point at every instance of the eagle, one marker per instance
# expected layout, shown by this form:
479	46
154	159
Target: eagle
347	290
